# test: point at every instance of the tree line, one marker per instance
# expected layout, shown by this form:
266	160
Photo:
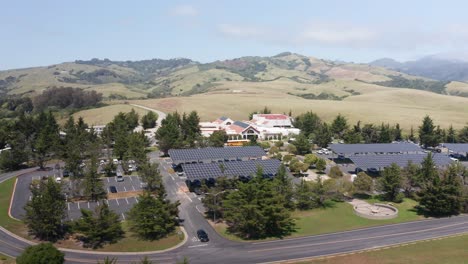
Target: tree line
66	97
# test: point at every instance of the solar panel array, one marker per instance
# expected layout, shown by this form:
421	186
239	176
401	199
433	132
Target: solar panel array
235	168
382	161
188	155
457	147
375	148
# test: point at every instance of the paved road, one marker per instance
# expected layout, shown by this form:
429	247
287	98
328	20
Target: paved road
219	250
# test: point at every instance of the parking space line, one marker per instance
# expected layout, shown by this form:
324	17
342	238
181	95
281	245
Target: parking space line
126	200
123	216
117	200
78	205
188	197
97	203
68	206
133	187
88	205
125	189
107	179
131	178
30	197
136	199
106	201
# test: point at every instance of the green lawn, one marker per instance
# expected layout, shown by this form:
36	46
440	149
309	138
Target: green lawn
129	243
6	190
444	251
340	217
6	260
133	244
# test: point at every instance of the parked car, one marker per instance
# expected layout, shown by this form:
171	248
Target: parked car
65	173
372	170
180	173
58	179
112	189
202	235
120	178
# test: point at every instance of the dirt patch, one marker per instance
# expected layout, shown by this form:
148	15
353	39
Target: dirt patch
123	194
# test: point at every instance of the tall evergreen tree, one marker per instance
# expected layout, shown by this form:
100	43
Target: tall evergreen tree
390	183
45	211
451	135
463	135
427	133
169	134
323	136
339	126
93	185
442	197
302	144
102	226
149	120
151	176
152	217
256	210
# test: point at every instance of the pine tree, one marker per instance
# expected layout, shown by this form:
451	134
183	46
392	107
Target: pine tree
169	134
339	126
256	210
323	136
44	253
363	182
99	228
321	165
93	185
451	135
149	120
151	176
304	197
390	183
443	197
46	210
427	133
152	217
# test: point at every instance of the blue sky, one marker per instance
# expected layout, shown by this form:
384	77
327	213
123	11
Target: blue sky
44	32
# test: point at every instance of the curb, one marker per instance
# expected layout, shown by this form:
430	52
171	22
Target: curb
29	242
11	201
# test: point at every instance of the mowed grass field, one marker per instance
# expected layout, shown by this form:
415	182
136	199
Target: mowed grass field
391	105
104	115
338	218
452	250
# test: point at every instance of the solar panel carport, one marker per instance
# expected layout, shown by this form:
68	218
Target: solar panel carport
461	148
383	148
207	155
231	169
381	161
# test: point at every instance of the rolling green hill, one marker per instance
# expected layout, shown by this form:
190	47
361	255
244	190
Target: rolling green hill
290	73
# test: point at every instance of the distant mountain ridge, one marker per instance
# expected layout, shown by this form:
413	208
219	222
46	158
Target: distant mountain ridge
290	73
434	67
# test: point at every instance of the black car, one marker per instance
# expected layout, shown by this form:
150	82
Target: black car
202	235
113	189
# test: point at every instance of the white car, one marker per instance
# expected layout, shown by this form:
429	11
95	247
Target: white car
58	180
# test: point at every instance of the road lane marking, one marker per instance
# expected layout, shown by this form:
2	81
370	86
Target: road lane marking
126	200
172	177
177	183
196	207
358	239
188	197
203	245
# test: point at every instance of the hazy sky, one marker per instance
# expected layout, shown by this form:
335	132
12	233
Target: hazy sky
46	32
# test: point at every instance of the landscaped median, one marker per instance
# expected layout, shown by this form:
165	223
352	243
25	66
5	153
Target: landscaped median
130	243
338	217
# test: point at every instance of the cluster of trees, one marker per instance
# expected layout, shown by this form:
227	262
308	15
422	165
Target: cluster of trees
149	120
439	192
184	132
126	143
30	137
153	217
418	84
261	207
66	97
13	105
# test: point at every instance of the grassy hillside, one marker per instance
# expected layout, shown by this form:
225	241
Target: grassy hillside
407	107
299	75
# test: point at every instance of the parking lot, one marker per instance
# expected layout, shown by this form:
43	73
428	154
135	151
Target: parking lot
118	205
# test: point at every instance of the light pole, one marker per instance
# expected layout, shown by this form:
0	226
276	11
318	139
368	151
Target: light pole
214	204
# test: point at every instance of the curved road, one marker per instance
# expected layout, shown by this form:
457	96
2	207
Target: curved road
220	250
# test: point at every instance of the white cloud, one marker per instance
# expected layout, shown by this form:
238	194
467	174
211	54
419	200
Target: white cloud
184	10
241	31
335	34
